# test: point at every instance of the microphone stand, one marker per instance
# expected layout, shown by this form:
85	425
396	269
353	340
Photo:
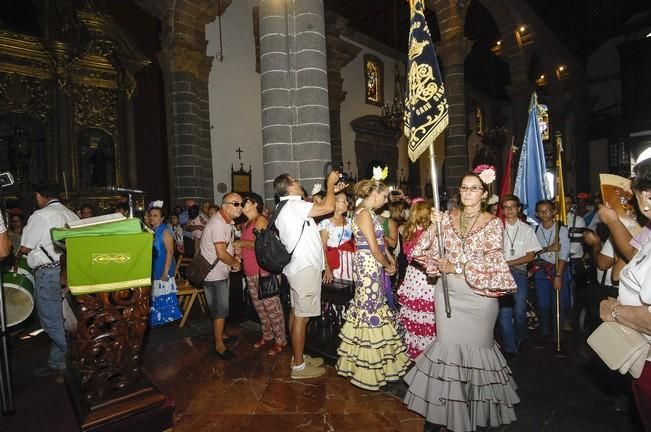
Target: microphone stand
6	393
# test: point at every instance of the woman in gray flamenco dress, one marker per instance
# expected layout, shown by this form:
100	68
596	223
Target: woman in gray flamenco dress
462	381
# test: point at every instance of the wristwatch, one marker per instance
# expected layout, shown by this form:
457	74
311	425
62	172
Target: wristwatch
457	268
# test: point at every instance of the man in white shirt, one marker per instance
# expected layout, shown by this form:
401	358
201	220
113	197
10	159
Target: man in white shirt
5	241
520	247
44	258
605	258
299	233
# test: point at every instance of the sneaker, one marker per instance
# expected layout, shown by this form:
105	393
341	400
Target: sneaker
311	361
307	372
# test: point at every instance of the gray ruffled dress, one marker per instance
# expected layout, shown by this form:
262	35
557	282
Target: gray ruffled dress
462	381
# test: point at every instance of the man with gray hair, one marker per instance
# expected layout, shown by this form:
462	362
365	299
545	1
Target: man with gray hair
5	242
298	232
217	243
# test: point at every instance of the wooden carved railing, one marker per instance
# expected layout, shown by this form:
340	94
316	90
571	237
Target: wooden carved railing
106	352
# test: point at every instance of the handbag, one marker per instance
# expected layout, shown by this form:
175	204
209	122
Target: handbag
332	255
620	347
198	269
268	286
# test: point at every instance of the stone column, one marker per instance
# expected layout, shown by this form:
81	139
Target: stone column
185	72
453	54
294	91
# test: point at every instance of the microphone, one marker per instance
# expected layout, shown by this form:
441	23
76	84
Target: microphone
121	189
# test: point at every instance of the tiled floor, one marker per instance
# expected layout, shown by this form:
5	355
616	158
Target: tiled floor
254	392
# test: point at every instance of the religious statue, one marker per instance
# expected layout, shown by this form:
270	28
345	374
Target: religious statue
96	160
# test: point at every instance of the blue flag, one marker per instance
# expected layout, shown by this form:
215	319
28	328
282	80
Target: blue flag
426	108
530	183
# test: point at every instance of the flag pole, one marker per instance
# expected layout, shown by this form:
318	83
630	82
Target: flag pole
437	206
560	218
426	109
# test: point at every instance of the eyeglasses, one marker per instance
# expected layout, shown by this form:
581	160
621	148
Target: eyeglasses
472	189
546	211
234	203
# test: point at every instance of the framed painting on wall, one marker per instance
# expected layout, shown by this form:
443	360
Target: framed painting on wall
241	179
374	80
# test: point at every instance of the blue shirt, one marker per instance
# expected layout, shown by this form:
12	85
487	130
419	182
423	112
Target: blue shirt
546	237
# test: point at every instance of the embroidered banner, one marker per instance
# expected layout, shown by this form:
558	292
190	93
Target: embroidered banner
426	108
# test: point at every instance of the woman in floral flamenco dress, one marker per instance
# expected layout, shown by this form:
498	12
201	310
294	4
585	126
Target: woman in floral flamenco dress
371	352
461	382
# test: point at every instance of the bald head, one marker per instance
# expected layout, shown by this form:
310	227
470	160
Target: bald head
232	204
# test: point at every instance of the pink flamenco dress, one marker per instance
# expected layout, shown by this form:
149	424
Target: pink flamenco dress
416	298
461	380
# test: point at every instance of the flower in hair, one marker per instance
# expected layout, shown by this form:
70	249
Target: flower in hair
486	173
156	204
380	174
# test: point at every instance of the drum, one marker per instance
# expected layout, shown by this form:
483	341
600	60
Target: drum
18	293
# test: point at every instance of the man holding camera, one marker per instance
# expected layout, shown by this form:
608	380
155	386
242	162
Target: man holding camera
42	256
298	232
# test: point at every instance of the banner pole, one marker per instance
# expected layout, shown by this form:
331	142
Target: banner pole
439	237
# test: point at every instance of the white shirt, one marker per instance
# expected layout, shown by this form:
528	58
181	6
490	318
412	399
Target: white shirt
309	251
37	232
519	239
635	280
576	247
606	250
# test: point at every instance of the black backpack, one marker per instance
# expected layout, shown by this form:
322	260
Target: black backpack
270	252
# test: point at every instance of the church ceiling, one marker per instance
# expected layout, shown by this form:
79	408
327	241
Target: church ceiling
581	25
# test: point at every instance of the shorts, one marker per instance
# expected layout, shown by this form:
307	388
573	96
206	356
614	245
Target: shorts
217	297
305	292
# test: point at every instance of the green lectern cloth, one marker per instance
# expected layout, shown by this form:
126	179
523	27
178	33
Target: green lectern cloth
107	257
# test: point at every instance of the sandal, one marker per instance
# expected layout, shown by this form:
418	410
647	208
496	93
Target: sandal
275	349
260	343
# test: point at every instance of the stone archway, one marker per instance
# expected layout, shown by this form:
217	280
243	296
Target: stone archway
185	72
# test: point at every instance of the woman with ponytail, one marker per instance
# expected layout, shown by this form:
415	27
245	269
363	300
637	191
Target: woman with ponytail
371	352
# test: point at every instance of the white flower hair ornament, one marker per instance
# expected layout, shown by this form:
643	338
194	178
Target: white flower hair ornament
158	204
316	188
380	173
486	173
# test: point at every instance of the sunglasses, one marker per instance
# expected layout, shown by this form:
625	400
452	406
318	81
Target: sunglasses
234	203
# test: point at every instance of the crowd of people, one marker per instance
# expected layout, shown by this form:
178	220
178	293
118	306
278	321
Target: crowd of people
397	326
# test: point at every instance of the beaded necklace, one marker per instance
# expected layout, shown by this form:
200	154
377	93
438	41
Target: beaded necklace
512	240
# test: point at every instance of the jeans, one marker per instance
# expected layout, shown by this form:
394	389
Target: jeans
546	301
49	297
217	297
513	307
